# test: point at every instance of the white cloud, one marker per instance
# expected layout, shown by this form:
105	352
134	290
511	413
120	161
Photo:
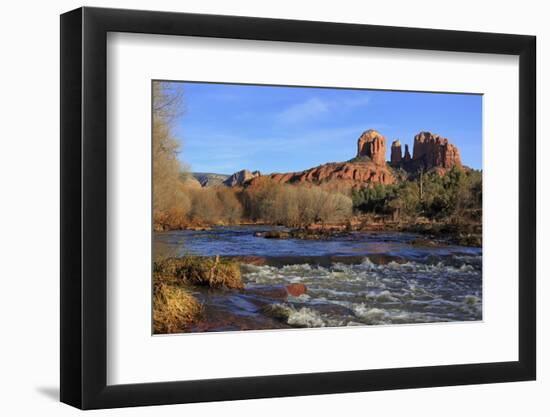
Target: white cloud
308	109
315	107
353	102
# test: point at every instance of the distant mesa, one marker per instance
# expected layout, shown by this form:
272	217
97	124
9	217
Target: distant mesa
207	179
241	177
369	167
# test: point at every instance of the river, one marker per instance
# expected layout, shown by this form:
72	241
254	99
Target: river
362	278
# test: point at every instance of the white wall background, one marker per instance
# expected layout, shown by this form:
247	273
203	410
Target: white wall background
29	212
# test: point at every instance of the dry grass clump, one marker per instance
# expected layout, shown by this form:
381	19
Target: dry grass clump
174	308
198	270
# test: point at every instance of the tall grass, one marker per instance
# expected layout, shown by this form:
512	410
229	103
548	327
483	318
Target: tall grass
198	270
174	308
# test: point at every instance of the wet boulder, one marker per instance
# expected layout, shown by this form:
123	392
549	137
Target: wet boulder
384	259
270	292
296	289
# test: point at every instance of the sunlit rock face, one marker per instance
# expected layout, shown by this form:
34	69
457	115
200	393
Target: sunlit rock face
435	151
372	144
354	174
430	152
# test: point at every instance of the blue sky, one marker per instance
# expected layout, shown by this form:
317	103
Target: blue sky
226	127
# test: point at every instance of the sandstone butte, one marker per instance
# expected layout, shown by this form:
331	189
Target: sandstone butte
431	152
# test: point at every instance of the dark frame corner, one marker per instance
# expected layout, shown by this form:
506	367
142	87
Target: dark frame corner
83	207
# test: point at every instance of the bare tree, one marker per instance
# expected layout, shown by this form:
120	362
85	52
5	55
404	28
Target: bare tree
170	203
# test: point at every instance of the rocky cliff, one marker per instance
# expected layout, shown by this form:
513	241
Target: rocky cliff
369	167
430	151
395	157
207	179
407	156
241	178
356	174
435	151
373	145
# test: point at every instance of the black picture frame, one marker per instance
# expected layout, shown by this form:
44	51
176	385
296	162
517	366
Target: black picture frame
84	207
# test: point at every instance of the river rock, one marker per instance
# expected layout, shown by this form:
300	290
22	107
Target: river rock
271	292
384	259
296	289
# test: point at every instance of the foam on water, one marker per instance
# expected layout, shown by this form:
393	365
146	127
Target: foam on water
357	279
369	293
305	317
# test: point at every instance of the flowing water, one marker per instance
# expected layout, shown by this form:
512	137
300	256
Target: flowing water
362	278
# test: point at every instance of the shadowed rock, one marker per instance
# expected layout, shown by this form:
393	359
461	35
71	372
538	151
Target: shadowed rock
241	178
395	153
407	154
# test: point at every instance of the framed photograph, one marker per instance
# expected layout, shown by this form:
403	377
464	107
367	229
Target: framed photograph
257	208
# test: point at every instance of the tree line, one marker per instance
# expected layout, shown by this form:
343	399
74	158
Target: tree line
454	196
178	202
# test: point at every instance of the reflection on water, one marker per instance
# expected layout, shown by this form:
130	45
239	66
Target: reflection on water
357	279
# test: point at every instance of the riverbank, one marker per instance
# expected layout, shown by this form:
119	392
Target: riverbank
178	281
464	234
175	307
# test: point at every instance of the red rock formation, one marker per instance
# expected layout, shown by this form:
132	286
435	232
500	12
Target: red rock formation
407	154
372	144
430	152
356	174
395	153
435	151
